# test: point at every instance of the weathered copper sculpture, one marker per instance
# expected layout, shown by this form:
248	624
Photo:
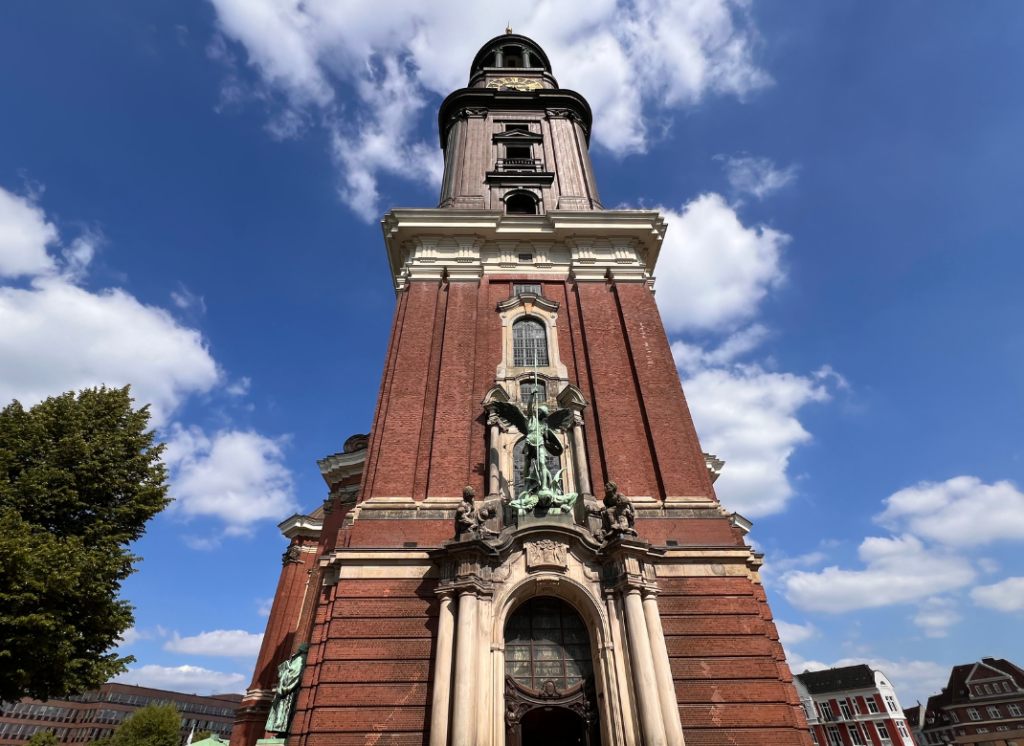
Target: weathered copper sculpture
542	488
289	673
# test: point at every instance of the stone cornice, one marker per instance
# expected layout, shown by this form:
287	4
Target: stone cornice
491	98
300	525
428	244
341	466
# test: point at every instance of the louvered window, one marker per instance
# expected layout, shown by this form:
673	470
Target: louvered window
529	344
525	288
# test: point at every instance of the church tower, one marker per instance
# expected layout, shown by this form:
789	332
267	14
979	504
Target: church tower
527	547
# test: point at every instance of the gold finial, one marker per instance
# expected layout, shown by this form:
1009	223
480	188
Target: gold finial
508	29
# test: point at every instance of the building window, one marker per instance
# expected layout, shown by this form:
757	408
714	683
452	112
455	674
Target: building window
547	640
856	706
814	737
890	702
826	711
1002	727
845	710
529	344
519	288
526	390
953	716
973	714
978	690
834	736
872	705
520	203
1014	710
981	730
988	689
1006	686
993	712
855	735
883	732
902	728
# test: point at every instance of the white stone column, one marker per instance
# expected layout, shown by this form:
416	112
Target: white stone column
494	467
483	671
624	700
663	672
442	673
645	682
464	709
580	451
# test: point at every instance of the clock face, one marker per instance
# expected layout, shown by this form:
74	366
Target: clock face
514	83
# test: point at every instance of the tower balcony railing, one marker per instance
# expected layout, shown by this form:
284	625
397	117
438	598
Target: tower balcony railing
513	165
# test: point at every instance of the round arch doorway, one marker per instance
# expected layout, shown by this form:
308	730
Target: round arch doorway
550	697
552	726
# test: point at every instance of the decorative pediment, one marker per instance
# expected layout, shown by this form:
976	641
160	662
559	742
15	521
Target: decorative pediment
529	301
494	393
572	398
513	136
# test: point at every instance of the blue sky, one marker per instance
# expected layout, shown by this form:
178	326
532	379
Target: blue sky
190	196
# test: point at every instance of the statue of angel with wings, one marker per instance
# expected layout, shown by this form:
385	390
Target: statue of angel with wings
542	488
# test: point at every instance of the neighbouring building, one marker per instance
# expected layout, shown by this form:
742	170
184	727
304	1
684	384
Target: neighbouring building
983	703
86	717
852	706
472	579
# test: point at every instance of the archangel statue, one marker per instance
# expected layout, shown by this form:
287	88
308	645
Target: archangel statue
542	488
289	673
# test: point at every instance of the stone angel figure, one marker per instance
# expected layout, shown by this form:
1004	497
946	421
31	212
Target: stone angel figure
542	488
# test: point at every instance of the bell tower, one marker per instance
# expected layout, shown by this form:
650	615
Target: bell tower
527	544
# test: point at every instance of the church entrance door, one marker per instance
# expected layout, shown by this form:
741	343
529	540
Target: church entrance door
553	726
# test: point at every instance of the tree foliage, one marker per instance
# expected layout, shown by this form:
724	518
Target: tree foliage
80	476
43	738
152	725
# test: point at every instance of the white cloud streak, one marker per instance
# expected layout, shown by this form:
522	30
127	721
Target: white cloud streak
230	643
757	176
190	679
1006	595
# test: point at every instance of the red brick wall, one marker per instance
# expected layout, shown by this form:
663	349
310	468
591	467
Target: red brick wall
732	682
369	671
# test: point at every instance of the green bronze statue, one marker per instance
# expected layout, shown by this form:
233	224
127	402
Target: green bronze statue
542	488
289	680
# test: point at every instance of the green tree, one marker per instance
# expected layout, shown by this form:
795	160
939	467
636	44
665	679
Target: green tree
201	735
153	725
80	476
43	738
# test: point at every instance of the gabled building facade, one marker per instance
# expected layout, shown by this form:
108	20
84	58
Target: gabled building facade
983	703
527	547
852	706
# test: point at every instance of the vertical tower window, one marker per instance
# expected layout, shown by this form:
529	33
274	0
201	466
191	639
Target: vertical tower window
520	204
529	344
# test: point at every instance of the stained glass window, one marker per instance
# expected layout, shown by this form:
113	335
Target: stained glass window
547	640
529	339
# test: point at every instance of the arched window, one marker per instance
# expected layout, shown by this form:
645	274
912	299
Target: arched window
547	640
526	390
520	204
519	461
529	344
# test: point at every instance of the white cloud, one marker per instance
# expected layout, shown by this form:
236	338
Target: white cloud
936	615
239	387
791	634
1006	595
626	58
757	176
913	680
747	416
959	512
231	643
898	570
185	299
265	606
713	271
131	636
188	679
779	564
56	336
238	476
24	235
